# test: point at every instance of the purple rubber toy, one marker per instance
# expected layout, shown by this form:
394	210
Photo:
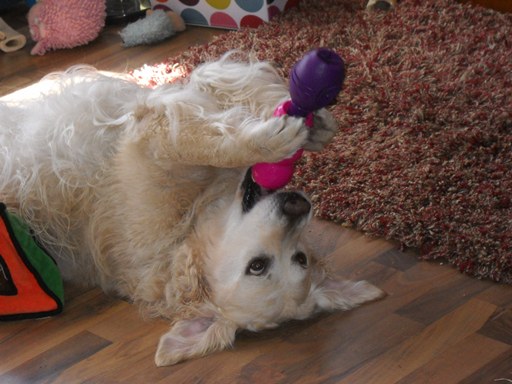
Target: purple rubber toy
315	81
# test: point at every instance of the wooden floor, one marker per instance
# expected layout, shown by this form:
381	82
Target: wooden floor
435	326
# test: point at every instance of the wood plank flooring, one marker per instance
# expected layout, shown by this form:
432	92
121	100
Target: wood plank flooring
435	326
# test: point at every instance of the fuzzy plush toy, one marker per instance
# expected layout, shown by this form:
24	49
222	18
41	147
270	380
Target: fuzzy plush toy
56	24
156	26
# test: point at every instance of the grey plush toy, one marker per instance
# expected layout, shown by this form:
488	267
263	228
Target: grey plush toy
156	26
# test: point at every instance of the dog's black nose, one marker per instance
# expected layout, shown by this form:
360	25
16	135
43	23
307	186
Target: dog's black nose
294	205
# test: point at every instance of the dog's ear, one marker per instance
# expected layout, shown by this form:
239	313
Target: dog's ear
202	329
331	293
194	337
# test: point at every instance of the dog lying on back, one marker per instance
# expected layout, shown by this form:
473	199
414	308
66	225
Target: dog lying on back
148	194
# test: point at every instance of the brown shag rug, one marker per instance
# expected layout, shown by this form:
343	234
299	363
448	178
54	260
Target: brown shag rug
424	152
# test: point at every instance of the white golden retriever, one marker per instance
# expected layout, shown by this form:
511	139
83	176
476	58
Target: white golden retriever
147	193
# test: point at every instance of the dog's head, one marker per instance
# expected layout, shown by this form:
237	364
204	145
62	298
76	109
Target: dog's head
260	273
260	269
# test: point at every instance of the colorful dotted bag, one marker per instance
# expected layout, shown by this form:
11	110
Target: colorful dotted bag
230	14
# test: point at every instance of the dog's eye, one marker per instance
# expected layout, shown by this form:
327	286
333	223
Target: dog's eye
258	266
301	259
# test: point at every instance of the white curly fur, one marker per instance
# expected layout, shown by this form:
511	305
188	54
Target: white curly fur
139	191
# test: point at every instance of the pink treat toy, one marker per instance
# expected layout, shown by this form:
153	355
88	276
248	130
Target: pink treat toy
56	24
315	81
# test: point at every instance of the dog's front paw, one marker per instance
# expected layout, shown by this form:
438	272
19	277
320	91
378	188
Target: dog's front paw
280	137
323	130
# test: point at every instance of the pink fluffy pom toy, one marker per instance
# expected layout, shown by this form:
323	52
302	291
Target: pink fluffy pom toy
56	24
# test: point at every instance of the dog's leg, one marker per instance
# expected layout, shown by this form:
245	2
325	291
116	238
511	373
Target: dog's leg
223	117
227	139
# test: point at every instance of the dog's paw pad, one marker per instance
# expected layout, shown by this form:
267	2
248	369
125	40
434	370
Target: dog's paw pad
323	130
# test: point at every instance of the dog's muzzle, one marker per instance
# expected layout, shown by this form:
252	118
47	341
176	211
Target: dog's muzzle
293	205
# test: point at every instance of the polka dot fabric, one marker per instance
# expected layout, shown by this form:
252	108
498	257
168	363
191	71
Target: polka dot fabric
228	14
